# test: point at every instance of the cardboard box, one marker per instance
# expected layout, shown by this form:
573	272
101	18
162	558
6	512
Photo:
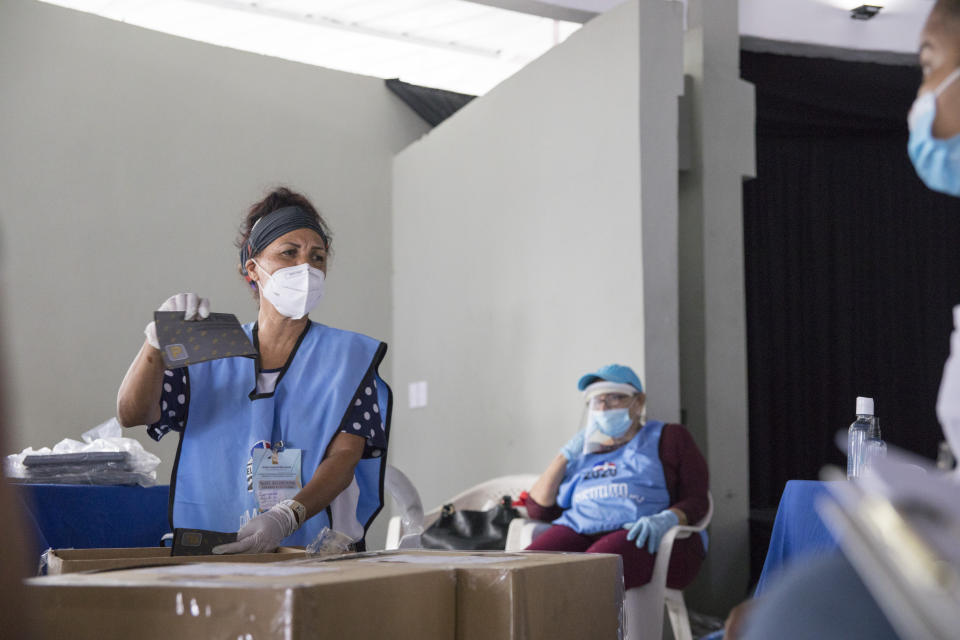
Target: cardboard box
251	601
425	595
525	595
72	560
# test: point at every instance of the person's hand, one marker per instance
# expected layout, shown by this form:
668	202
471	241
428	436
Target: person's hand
650	529
193	306
574	448
264	533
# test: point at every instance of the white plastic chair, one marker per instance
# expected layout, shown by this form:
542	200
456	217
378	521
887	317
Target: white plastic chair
403	531
643	606
481	497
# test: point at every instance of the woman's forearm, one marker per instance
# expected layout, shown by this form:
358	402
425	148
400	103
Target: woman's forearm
333	475
138	401
544	490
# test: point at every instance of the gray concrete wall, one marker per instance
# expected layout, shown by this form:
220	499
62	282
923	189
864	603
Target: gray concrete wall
661	85
519	248
128	158
712	305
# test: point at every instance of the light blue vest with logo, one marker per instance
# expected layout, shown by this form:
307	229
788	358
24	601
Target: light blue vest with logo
604	491
305	411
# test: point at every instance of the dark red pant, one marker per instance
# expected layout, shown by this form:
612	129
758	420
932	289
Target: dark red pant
685	560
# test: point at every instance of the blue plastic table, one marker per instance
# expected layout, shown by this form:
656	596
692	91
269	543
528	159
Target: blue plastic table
798	532
63	516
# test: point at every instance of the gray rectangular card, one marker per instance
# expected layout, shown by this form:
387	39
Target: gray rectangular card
183	343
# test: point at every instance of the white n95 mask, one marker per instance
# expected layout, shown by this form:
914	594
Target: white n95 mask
293	291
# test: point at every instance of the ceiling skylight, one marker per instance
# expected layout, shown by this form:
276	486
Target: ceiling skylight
448	44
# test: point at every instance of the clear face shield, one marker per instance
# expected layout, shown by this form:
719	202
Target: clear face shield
609	414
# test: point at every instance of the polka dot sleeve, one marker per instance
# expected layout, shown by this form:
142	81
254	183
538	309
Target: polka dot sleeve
365	419
174	400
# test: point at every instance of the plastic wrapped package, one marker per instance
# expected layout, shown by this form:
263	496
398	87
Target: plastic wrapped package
230	601
329	542
103	457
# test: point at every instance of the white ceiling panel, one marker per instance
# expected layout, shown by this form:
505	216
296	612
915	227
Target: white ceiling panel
450	44
827	22
816	22
470	46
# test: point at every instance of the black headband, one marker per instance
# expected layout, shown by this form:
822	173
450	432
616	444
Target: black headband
273	225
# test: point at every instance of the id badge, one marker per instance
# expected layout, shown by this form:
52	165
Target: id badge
276	476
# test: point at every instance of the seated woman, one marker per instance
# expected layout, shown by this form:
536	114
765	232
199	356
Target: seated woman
622	482
290	442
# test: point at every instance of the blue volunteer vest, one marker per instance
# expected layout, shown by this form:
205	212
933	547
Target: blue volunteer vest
604	491
311	399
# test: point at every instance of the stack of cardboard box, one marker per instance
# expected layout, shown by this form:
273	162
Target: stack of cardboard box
403	595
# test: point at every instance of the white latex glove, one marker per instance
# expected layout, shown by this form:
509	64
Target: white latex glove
193	306
264	533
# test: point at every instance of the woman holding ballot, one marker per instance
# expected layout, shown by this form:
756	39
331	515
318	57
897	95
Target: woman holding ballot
280	446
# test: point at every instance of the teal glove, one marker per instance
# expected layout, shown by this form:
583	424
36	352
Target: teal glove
573	449
650	529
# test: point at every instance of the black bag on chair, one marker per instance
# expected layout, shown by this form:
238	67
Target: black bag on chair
465	530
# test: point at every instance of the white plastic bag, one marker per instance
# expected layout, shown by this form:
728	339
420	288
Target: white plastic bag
139	467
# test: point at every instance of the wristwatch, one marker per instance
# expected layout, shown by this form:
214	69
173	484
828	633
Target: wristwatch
298	509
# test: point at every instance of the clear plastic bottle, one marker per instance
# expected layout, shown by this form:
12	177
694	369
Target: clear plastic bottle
875	447
857	437
945	459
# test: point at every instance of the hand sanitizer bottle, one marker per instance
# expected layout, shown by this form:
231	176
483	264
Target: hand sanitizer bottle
875	447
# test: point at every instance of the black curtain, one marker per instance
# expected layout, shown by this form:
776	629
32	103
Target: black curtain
852	267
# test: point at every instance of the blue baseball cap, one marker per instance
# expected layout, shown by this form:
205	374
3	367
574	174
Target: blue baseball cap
612	373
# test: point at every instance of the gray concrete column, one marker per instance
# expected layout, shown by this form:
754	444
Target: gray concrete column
713	363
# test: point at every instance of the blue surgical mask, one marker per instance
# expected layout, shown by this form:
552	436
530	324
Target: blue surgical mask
937	161
614	422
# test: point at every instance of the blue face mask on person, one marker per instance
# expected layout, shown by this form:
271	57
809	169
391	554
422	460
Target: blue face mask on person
937	161
613	422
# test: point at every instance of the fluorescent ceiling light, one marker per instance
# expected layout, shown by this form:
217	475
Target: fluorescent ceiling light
448	44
